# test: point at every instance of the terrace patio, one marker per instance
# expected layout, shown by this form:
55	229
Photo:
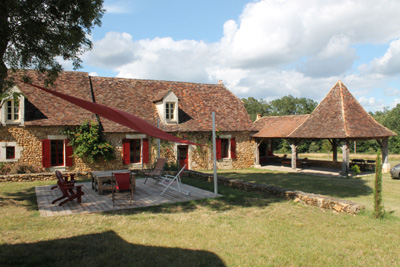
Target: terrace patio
146	195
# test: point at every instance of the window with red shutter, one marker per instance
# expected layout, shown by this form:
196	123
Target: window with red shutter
233	148
126	157
134	151
145	150
218	148
46	158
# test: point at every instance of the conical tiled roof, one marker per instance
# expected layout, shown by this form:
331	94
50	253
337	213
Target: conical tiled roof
339	115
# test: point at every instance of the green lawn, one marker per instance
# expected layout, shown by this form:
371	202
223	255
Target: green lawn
238	229
359	190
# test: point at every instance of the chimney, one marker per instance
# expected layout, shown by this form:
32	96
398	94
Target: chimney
220	83
258	117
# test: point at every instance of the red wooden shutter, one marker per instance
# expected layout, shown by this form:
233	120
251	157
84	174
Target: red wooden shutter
126	154
233	148
68	153
218	148
46	159
145	150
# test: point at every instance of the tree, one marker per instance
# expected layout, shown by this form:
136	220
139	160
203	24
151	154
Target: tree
254	107
286	105
33	33
289	105
390	119
379	210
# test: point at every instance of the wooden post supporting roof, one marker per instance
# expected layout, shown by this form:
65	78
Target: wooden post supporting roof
385	156
294	143
257	152
345	157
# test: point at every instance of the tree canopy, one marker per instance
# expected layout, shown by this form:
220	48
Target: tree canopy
34	33
286	105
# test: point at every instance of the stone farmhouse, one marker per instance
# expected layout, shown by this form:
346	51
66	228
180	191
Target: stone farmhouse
32	129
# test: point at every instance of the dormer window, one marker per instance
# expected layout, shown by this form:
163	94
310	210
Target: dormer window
167	107
12	109
169	110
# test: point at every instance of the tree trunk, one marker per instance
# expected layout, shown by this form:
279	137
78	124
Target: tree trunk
5	36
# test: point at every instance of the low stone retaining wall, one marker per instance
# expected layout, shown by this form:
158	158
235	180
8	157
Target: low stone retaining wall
30	177
308	199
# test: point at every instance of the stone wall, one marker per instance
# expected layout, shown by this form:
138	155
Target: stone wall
200	157
30	177
308	199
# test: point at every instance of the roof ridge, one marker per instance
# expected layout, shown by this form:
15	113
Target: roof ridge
309	115
154	80
343	110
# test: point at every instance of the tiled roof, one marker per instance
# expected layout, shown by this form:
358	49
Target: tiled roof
160	96
278	126
47	110
339	115
135	96
196	103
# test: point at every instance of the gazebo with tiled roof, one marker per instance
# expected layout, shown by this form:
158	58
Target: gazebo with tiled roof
339	118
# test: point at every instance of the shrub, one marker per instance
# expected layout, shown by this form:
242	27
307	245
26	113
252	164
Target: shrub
356	170
379	211
88	140
171	166
5	168
20	168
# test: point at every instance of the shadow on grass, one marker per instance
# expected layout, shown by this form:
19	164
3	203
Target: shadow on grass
25	198
102	249
329	186
230	198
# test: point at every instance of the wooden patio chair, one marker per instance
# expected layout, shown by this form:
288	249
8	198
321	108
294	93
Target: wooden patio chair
174	182
157	171
123	181
69	190
67	178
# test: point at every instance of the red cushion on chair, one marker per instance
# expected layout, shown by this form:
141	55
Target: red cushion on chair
123	180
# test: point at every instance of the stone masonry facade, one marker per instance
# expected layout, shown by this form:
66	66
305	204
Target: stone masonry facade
29	139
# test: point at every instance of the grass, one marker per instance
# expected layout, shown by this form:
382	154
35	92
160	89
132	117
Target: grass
238	229
359	190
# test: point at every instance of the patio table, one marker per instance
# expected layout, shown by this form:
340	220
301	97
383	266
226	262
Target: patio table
99	179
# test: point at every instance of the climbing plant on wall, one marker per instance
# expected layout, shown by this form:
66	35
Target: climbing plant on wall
88	140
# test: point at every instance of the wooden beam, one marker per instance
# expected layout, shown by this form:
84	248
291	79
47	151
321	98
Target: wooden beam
385	155
345	156
257	152
294	143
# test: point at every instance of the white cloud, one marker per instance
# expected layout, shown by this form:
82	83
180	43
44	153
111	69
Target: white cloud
276	48
114	50
389	63
371	103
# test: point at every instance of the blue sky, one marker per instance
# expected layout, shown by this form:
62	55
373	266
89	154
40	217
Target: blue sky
262	49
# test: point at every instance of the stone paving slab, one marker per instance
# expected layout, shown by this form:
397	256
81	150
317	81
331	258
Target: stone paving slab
145	195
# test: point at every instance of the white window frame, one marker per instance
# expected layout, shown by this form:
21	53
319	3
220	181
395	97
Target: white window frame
169	98
170	111
3	147
21	112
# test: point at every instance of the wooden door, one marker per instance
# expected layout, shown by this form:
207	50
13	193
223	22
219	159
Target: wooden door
183	156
